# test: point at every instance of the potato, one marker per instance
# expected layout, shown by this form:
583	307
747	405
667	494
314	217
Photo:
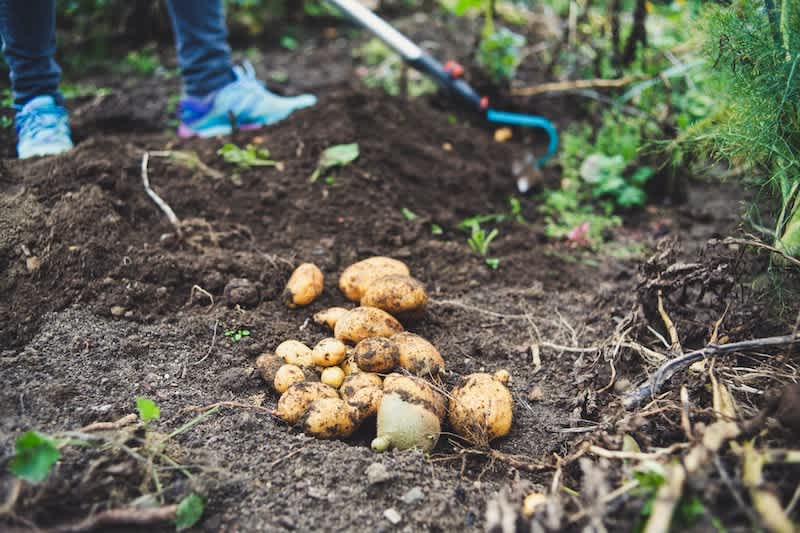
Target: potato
503	376
416	390
328	352
304	285
356	382
295	401
405	424
294	353
328	317
356	278
417	355
362	322
401	296
286	376
333	376
376	354
481	409
365	402
267	365
329	418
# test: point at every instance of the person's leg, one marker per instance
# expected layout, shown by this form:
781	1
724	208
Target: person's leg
27	29
201	39
215	90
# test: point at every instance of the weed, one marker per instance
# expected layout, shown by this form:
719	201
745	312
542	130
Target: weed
385	70
408	214
479	241
247	157
235	335
6	122
148	410
34	456
336	156
436	229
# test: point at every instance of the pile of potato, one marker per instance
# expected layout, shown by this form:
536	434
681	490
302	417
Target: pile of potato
372	367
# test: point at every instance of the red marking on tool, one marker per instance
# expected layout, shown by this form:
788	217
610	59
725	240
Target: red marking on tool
454	69
485	103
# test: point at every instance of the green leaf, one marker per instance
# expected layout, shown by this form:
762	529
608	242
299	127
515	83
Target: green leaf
189	512
335	156
436	229
148	409
631	196
249	156
34	456
289	42
408	214
493	262
642	175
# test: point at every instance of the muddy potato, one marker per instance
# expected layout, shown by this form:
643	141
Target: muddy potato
294	353
267	365
329	317
355	382
349	365
365	402
481	409
356	278
376	354
286	376
405	424
295	401
417	355
401	296
304	285
329	418
328	352
362	322
333	376
416	390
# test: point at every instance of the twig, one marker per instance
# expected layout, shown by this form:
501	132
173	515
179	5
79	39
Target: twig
764	500
210	348
241	405
116	517
670	368
675	341
11	498
164	206
765	246
667	497
574	85
636	456
105	426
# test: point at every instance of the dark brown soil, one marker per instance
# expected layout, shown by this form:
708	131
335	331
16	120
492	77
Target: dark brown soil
113	310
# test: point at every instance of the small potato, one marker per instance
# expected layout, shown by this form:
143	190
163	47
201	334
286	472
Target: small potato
376	354
286	376
304	285
362	322
267	365
356	278
295	401
356	382
416	390
481	409
401	296
349	365
328	317
417	355
294	353
329	418
333	376
503	376
328	352
365	402
405	424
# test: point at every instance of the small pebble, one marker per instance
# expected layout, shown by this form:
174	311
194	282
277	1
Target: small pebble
536	393
377	473
118	311
392	516
33	263
413	496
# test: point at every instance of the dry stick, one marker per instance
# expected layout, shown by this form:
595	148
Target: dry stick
164	206
674	339
670	368
116	517
574	85
666	499
104	426
765	246
210	348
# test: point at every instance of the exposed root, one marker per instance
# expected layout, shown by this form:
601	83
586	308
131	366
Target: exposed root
164	206
106	426
119	517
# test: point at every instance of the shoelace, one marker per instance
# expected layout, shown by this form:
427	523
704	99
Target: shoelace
41	119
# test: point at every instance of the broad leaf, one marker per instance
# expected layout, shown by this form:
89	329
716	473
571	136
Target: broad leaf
335	156
189	512
148	409
35	454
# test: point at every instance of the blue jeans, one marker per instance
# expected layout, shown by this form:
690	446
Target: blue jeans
27	28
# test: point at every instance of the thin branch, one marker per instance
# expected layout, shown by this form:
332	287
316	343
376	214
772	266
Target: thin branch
164	206
117	517
576	85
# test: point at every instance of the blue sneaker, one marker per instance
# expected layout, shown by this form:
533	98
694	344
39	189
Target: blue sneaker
42	128
245	100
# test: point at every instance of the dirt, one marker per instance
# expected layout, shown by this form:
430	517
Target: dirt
115	305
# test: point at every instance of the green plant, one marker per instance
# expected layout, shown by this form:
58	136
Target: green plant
436	229
34	456
408	214
335	156
247	157
237	334
385	70
148	410
500	53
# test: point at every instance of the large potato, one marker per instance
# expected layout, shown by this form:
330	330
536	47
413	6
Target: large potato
398	295
294	353
365	402
362	322
481	409
405	424
304	285
329	418
356	278
416	390
417	355
329	316
328	352
376	354
295	401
